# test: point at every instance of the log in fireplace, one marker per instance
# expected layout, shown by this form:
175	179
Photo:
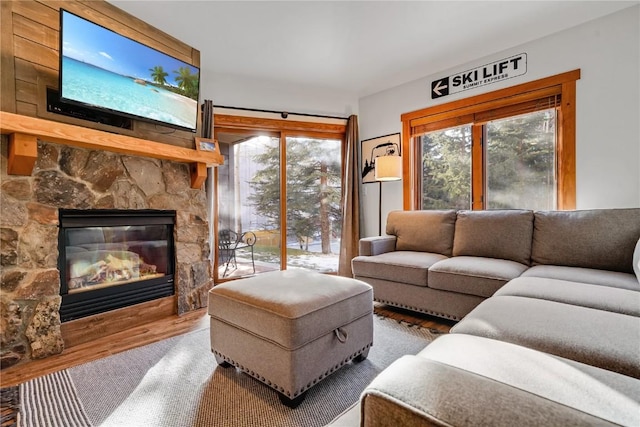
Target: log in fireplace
110	259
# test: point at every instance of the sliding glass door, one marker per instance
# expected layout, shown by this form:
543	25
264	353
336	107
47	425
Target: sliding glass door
313	189
248	205
272	182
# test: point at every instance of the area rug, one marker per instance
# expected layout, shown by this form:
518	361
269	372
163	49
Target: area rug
176	382
51	400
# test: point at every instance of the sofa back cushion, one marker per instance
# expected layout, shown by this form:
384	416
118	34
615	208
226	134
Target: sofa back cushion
424	231
503	234
598	238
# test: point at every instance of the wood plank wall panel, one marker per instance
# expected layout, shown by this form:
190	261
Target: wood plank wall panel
29	72
26	92
35	31
29	42
7	75
38	12
35	53
26	109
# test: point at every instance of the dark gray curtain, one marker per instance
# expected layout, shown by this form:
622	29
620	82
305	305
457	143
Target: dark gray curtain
350	199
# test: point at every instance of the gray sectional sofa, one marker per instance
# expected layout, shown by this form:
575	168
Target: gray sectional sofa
550	309
445	263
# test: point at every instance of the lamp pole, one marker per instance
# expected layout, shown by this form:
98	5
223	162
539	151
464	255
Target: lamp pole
387	168
380	209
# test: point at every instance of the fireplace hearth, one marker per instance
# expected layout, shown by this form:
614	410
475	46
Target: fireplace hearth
110	259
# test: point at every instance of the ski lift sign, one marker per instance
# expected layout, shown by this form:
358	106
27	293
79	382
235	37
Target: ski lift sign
494	72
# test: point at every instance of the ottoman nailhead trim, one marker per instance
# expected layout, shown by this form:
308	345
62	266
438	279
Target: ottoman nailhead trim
303	389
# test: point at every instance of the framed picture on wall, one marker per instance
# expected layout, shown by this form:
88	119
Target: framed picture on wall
371	149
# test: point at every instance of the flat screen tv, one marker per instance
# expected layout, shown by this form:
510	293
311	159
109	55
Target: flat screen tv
106	71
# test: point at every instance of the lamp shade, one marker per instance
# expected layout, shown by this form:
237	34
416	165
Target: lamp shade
388	168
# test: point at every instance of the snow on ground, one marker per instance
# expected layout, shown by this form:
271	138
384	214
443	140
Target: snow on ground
312	261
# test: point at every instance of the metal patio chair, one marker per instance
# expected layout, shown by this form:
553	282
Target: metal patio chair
229	242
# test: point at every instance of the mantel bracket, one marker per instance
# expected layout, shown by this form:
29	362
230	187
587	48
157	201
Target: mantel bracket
198	174
23	153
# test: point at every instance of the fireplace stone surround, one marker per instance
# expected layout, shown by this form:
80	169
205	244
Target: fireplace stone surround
76	178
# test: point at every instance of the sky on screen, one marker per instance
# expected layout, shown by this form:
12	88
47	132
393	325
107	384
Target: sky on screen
95	45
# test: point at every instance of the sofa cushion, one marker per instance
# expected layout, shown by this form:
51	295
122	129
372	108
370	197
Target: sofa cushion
596	337
504	234
599	297
578	387
473	275
599	238
614	279
424	231
399	266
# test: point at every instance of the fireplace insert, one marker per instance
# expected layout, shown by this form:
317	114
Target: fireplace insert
110	259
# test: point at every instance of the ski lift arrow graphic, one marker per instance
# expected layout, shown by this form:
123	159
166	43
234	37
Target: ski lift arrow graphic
440	88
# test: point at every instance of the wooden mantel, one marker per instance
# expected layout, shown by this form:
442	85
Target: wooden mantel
24	133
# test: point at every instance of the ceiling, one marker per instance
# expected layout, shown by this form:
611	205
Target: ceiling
361	47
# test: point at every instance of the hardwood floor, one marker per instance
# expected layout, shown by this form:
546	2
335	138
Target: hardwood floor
106	346
158	330
415	318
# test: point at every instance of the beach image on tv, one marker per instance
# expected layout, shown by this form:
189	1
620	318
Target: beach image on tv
103	69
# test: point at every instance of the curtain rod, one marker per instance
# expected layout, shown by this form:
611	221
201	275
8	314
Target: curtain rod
283	114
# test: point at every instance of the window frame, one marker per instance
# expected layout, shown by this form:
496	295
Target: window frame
479	109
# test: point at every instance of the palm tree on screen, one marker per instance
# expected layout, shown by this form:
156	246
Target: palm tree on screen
187	82
158	74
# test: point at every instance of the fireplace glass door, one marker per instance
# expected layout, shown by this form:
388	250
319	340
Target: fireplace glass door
112	258
99	257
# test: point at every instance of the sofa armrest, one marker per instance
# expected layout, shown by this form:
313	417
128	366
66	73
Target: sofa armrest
377	245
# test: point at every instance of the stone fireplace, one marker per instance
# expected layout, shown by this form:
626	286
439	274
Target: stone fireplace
76	179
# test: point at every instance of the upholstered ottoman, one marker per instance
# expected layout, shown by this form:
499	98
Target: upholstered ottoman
290	329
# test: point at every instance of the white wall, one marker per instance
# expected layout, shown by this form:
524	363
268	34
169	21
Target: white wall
607	51
247	92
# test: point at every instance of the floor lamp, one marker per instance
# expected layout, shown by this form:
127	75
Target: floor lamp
387	168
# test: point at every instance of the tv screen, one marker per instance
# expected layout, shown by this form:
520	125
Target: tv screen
103	70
